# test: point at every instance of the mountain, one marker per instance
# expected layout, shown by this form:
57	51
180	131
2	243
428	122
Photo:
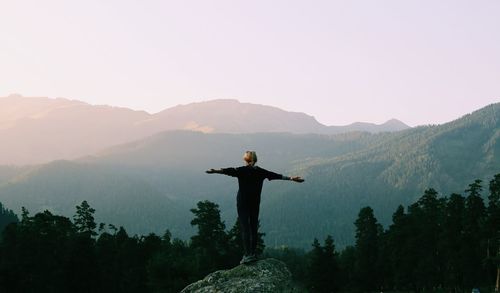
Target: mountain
389	126
231	116
40	130
150	184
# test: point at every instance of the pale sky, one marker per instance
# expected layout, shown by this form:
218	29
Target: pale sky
421	61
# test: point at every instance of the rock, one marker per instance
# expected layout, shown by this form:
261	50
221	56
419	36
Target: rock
268	275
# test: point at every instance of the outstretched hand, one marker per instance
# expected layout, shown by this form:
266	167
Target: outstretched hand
297	179
211	171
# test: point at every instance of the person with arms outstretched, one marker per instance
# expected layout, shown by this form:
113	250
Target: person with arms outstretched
250	181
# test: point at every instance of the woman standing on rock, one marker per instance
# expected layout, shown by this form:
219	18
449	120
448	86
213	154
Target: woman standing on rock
250	180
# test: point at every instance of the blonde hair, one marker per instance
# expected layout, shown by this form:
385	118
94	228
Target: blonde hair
250	157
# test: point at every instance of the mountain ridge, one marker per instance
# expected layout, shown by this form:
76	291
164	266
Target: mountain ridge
40	130
16	97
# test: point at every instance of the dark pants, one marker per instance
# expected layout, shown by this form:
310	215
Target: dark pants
248	216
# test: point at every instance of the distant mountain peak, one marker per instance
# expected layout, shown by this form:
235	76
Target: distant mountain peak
396	123
234	101
393	120
207	102
227	103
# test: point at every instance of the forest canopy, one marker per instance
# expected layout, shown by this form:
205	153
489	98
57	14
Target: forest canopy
437	242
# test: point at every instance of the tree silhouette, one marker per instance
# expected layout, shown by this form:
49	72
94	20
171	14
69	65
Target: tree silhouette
474	251
6	217
211	241
323	268
428	266
84	219
492	230
452	241
367	250
398	245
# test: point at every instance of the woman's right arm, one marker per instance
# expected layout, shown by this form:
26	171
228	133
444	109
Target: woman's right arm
225	171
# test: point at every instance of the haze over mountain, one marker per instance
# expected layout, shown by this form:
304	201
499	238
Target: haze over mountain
150	184
40	130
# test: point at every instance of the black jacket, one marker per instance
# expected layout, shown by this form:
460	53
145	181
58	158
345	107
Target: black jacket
250	180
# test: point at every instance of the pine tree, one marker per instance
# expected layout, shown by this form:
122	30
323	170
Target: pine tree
451	241
6	217
367	250
235	244
84	219
315	278
474	247
82	259
211	241
330	265
397	242
429	264
492	230
323	273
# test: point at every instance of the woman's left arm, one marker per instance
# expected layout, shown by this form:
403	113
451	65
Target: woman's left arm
273	176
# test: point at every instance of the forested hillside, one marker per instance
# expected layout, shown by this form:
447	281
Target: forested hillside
126	200
150	184
392	171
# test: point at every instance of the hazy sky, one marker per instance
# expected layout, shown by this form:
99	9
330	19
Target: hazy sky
421	61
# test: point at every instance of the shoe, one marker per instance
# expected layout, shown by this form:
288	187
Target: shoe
248	259
252	258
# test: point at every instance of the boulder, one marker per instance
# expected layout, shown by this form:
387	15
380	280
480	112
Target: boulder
268	275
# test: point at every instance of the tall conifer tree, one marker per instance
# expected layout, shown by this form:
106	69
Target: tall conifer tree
367	250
